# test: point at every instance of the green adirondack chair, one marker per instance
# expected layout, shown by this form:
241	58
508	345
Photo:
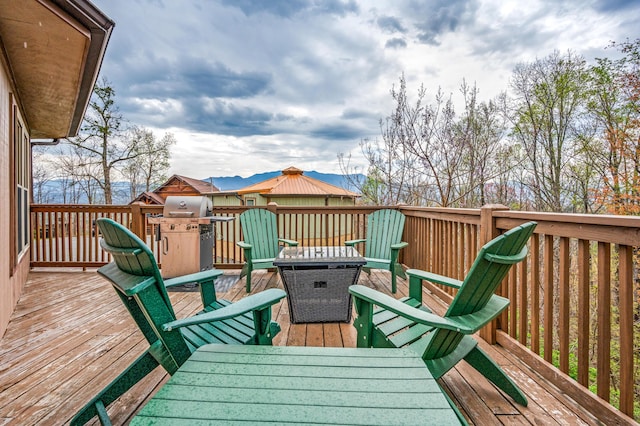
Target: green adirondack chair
260	244
382	243
136	278
444	341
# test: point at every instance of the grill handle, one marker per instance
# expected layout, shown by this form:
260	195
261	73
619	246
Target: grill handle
165	245
180	214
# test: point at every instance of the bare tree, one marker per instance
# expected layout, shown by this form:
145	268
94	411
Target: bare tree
100	142
41	176
78	170
391	176
482	129
149	167
429	156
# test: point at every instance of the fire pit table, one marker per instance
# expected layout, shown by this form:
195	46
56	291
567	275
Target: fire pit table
317	281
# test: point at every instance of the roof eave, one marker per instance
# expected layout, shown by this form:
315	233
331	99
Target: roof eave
100	27
54	50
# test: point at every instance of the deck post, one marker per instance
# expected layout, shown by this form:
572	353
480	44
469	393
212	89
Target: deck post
272	206
137	220
488	231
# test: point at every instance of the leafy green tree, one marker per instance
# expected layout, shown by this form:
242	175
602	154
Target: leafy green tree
614	107
548	101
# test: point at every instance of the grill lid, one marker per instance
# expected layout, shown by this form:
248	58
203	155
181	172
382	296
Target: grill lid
176	206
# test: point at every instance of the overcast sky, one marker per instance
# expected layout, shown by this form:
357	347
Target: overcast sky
254	86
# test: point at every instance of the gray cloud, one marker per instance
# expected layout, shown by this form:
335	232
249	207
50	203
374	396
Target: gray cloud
608	6
440	17
290	8
337	131
189	77
226	118
391	24
306	79
396	43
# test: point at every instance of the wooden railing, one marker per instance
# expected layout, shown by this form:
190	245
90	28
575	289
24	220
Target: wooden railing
574	313
575	301
66	235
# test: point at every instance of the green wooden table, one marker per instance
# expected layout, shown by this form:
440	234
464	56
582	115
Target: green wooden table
224	384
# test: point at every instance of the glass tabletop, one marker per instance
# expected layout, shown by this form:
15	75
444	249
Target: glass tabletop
319	254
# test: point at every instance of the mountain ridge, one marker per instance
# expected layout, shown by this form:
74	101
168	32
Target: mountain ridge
230	183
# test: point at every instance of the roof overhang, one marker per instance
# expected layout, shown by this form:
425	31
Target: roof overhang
54	50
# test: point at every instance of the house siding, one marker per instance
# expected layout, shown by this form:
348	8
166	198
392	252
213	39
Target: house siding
225	200
11	280
264	200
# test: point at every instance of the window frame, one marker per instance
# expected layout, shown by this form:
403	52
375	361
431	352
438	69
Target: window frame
20	183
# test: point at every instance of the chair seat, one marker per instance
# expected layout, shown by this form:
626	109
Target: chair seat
378	261
398	330
234	331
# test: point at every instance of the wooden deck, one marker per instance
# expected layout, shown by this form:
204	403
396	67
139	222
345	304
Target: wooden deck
70	335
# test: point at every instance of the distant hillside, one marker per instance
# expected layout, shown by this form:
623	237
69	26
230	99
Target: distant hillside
54	191
229	183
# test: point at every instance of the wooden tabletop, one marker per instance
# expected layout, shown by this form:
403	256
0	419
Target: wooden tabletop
224	384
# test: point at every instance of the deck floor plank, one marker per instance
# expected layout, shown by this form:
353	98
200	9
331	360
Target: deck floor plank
70	335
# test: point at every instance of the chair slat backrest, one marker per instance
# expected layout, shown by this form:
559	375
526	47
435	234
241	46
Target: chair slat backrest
259	229
136	277
384	228
491	266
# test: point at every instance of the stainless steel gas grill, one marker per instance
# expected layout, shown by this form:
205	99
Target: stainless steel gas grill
187	235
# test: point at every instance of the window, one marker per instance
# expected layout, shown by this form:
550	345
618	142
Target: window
20	177
250	201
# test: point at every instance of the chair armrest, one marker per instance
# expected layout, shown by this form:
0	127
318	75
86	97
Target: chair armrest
466	324
434	278
404	310
244	245
288	242
209	275
255	302
400	245
507	260
354	242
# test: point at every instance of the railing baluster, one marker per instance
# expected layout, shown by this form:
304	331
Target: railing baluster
523	320
583	309
535	293
604	321
625	306
510	286
563	314
548	298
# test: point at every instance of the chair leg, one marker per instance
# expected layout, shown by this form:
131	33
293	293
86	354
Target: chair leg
400	271
492	371
249	282
246	271
132	375
393	281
